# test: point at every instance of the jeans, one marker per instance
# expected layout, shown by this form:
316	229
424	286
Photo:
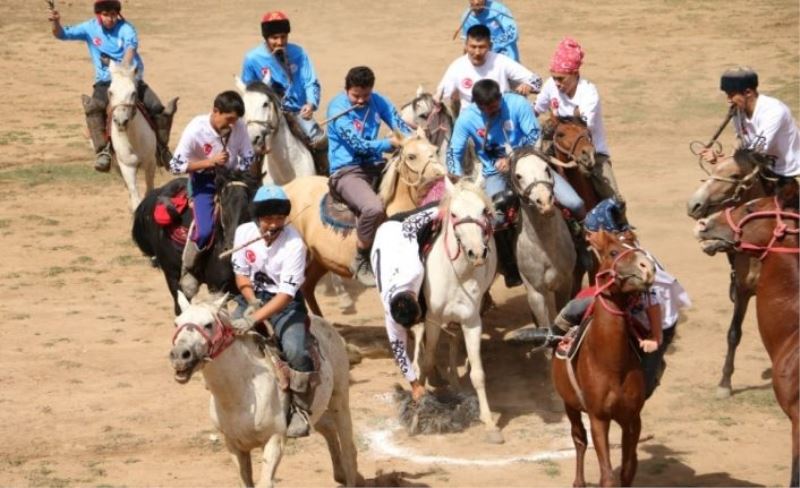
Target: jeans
653	363
492	185
311	129
567	197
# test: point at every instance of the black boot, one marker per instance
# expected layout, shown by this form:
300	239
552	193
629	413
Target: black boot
95	112
163	123
504	240
301	387
536	336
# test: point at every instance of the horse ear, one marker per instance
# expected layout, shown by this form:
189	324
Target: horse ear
113	66
171	107
218	304
420	134
577	113
598	240
449	187
420	90
183	302
239	84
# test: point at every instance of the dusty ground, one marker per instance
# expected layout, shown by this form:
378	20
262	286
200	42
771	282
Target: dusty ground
87	396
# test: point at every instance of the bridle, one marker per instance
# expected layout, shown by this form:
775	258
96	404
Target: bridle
780	231
267	127
613	276
585	134
524	193
221	337
484	222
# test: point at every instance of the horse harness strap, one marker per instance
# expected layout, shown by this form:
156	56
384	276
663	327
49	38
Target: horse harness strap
779	232
573	380
223	336
484	223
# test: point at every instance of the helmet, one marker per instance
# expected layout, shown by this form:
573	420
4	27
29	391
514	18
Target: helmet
271	200
608	215
275	22
405	309
107	6
739	79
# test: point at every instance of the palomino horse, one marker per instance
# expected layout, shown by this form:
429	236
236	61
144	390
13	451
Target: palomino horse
248	404
407	176
459	270
732	181
133	139
545	253
605	377
287	156
234	192
762	228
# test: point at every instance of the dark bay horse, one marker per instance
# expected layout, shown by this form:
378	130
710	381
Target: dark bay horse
234	192
767	228
605	377
732	181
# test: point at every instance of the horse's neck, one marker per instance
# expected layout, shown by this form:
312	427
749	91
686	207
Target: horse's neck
607	339
289	158
234	375
776	299
541	228
138	138
403	199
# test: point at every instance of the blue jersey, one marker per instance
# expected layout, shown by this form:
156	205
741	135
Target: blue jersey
352	137
106	45
514	127
497	17
300	88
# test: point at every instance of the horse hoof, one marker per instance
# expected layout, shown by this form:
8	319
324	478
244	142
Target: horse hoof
494	436
723	392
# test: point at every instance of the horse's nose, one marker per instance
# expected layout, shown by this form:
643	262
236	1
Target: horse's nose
648	271
702	225
181	355
694	208
471	254
485	251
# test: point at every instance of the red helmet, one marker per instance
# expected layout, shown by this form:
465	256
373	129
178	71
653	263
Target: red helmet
275	22
107	6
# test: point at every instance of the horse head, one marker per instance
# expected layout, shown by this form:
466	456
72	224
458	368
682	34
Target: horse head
234	192
760	225
731	181
415	165
262	113
122	94
201	332
532	179
433	116
623	268
468	214
572	140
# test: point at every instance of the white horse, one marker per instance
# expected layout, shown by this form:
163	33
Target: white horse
459	270
545	252
132	138
286	156
247	404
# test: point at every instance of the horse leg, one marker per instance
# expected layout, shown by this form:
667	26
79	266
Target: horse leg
326	426
452	373
129	176
580	441
600	440
630	442
346	304
349	453
432	331
795	481
419	333
314	271
149	176
539	307
472	340
741	300
271	457
243	463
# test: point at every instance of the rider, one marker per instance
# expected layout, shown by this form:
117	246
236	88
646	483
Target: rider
497	17
478	63
209	141
657	309
269	272
287	69
356	156
565	91
110	37
497	124
762	123
400	272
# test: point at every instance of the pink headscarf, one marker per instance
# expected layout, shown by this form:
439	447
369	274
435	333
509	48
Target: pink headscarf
568	57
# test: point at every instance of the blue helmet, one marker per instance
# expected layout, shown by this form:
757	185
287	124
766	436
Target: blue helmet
271	200
608	215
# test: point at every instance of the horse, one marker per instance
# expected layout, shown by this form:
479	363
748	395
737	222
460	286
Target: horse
133	138
734	180
434	117
286	155
765	229
545	253
605	378
234	192
248	405
459	270
408	174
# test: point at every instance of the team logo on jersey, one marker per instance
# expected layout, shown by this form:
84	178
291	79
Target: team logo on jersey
250	256
508	125
554	104
466	83
207	149
97	41
265	72
358	125
482	132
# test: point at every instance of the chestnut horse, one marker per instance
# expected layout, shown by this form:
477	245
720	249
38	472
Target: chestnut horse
763	228
604	378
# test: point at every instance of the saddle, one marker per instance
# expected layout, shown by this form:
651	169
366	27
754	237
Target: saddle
336	214
284	374
570	345
171	211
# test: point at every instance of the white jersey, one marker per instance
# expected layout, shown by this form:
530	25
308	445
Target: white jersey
200	141
461	75
277	268
773	131
396	262
586	100
666	292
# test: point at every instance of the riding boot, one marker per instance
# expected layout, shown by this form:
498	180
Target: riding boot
362	268
163	123
189	283
541	336
505	257
95	112
301	387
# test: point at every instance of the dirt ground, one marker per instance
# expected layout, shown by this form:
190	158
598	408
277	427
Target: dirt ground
87	396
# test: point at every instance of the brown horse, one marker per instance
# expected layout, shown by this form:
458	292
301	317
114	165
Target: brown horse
764	229
732	181
605	378
406	177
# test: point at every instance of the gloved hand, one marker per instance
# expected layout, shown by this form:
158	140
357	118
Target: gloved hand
242	325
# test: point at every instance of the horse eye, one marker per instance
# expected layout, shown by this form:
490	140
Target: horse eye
412	156
208	326
614	253
266	104
453	216
519	176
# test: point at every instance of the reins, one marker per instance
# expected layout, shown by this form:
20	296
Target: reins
780	231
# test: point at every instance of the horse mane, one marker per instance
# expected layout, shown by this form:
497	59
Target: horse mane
224	175
466	185
749	158
390	179
263	88
571	119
